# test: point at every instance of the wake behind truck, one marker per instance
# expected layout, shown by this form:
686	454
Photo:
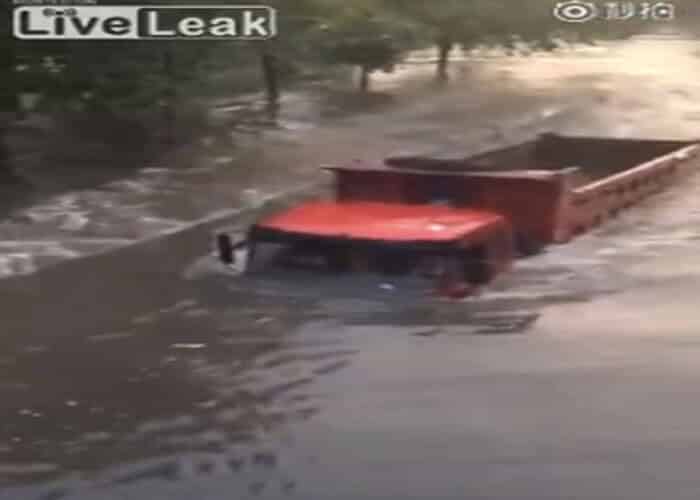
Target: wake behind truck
463	221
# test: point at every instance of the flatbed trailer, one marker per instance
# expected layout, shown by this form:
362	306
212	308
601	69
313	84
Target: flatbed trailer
464	220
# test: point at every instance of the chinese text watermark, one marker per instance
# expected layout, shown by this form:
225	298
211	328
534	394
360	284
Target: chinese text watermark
575	11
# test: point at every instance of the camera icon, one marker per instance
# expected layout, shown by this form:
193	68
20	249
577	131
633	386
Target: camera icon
662	11
575	11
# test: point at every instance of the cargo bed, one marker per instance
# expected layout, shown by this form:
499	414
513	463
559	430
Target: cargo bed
595	157
551	188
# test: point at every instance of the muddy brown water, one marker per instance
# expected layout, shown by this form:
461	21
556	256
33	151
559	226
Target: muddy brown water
150	372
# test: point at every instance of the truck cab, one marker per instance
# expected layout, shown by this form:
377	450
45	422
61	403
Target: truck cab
394	222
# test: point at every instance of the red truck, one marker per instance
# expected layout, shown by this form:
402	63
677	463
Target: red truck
462	221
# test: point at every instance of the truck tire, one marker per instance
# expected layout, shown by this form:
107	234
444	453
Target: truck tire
395	263
337	260
527	246
476	266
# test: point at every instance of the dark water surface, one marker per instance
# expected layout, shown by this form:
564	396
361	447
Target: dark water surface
150	372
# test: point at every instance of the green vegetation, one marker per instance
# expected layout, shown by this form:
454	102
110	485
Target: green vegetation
110	80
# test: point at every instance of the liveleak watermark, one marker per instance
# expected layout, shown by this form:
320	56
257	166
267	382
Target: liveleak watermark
575	11
144	22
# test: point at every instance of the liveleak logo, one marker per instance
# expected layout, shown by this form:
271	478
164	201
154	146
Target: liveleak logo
144	22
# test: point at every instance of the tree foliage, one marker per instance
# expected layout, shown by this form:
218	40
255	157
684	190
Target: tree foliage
111	77
363	34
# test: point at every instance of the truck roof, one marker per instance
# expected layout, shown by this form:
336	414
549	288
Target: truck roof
382	221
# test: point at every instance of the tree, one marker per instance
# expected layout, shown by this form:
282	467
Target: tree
364	35
444	26
496	23
367	53
297	27
8	88
169	99
268	65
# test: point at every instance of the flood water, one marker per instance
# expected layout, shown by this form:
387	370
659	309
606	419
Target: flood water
133	366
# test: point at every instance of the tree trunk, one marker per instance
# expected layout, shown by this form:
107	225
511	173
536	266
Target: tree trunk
169	96
364	78
9	101
445	47
20	112
4	154
7	173
268	63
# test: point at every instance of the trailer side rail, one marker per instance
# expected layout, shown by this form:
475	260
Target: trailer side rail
594	203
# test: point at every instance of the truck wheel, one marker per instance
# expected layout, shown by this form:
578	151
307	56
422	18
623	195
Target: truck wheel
338	260
395	263
476	266
224	247
527	246
477	272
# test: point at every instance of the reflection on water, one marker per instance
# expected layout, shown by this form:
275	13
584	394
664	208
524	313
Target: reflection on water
176	382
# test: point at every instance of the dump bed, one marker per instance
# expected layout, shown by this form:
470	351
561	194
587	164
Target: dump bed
549	188
594	157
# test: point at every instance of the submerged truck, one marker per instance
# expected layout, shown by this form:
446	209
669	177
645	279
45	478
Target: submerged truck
462	221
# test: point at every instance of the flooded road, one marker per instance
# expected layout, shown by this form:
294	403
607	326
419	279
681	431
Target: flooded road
148	372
